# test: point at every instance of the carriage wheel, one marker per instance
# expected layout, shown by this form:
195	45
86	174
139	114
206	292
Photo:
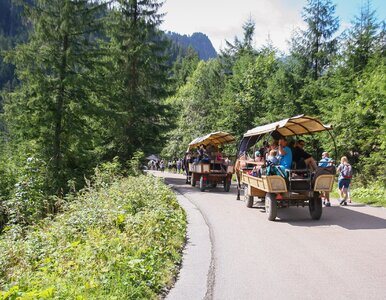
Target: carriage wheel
271	206
247	198
315	206
227	184
202	184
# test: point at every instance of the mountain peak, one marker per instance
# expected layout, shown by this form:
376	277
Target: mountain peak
198	41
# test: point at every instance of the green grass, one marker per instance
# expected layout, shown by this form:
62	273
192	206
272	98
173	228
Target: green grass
374	195
120	242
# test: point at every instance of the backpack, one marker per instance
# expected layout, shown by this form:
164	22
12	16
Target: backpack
346	171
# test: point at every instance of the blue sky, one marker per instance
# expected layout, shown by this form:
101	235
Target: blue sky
222	20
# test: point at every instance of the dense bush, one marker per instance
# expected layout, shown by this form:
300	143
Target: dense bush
375	194
116	242
28	203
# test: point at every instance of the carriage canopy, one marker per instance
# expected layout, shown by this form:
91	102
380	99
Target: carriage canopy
297	125
214	138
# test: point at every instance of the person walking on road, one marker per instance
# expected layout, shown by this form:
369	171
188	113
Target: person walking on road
162	165
345	174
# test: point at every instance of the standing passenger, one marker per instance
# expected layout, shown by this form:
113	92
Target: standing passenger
325	162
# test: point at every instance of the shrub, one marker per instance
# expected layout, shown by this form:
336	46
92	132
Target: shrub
134	165
374	194
28	202
120	242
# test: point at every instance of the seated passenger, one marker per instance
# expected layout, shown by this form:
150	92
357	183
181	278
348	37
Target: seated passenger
326	160
202	154
219	155
301	158
241	163
272	157
285	155
272	146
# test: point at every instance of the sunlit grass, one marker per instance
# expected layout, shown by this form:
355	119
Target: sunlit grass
374	195
122	242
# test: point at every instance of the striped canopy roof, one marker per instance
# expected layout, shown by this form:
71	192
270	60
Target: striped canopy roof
297	125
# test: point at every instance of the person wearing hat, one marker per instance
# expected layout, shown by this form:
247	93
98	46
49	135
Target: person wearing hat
325	162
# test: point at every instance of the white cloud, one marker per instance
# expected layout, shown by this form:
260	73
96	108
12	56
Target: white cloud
223	20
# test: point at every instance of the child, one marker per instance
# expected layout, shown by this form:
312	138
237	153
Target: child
272	157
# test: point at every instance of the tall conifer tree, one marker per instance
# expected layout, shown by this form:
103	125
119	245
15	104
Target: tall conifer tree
362	39
315	46
52	107
139	75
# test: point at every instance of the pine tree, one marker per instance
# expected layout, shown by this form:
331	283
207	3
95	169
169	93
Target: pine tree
183	67
139	76
53	108
316	45
362	39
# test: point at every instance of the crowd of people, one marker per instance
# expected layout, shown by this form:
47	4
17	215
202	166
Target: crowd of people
176	165
202	154
207	154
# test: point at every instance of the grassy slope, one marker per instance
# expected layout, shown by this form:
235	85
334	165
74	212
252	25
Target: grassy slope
119	242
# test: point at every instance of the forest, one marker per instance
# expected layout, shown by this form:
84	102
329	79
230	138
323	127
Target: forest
86	82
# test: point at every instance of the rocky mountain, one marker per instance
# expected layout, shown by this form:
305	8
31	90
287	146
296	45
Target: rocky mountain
198	41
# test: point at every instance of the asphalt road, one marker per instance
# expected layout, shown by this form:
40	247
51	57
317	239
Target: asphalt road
245	256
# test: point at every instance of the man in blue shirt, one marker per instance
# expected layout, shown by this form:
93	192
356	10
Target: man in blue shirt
285	155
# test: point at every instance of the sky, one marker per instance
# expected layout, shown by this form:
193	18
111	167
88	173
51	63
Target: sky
222	20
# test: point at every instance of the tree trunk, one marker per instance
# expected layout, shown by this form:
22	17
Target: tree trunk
57	151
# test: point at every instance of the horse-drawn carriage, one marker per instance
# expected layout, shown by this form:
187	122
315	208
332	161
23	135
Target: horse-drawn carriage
293	188
212	169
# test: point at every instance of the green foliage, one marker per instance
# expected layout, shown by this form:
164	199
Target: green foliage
183	68
316	45
120	242
8	172
344	87
240	47
106	173
54	106
29	202
135	163
372	195
358	113
361	42
198	106
23	197
245	93
137	77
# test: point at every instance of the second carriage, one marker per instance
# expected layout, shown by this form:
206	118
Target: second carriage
210	171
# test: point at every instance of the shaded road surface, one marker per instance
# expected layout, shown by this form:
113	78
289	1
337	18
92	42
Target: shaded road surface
341	256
